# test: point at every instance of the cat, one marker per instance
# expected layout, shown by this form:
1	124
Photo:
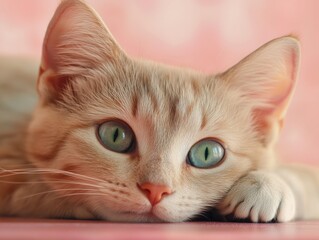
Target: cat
120	139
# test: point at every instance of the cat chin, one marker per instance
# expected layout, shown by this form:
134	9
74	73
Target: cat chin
131	217
155	216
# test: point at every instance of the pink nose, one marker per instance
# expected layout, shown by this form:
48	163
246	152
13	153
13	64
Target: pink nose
154	192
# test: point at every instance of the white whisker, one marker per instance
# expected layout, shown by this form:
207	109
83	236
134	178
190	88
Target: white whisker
84	193
56	191
45	181
49	171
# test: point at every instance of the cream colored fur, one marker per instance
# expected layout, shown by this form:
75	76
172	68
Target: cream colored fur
54	166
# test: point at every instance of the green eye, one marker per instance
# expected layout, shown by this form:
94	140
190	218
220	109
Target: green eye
205	154
116	136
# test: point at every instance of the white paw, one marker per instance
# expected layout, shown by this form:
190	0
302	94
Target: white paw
261	196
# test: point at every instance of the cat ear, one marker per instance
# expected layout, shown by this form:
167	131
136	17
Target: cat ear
76	40
266	78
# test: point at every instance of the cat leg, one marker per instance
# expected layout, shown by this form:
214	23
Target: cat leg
304	181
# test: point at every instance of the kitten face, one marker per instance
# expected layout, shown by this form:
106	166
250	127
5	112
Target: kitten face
88	80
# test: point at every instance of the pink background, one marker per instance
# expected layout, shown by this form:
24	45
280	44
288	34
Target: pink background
205	35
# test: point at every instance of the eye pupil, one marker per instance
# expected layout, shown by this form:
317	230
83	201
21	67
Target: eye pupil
116	134
206	153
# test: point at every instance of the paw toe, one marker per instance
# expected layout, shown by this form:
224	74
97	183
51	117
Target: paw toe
254	214
242	210
286	211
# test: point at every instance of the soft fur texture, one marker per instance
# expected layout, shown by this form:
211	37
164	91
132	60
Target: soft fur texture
52	164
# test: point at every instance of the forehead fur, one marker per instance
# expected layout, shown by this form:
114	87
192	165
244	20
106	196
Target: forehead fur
166	101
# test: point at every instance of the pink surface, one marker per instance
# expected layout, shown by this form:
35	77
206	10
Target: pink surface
78	230
205	35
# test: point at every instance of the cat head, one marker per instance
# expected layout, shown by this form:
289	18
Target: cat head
133	140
